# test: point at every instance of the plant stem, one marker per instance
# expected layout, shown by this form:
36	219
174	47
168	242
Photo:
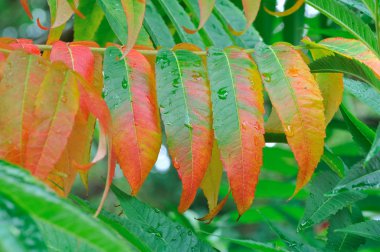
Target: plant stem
101	50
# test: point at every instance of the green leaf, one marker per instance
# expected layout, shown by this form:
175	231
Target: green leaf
360	132
115	15
341	242
318	206
185	105
180	19
344	17
18	231
213	29
254	245
58	240
363	92
375	148
86	28
45	206
333	161
340	64
237	102
358	5
369	229
156	229
231	16
156	27
360	178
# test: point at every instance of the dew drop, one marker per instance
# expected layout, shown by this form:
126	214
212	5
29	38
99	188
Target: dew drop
124	84
63	99
289	130
267	77
175	163
223	93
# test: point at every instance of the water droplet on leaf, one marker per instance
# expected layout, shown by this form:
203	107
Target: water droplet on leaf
289	130
267	77
223	93
124	84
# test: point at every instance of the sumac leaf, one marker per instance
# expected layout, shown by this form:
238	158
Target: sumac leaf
131	95
23	76
237	101
134	12
295	96
185	105
205	8
56	105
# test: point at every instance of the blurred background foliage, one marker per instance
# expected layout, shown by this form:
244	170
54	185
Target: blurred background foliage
277	180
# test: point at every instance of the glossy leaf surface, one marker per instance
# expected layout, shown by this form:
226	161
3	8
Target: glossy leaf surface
237	101
131	95
299	105
185	105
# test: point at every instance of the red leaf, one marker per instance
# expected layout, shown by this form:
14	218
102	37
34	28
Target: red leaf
56	105
23	75
130	93
75	56
25	5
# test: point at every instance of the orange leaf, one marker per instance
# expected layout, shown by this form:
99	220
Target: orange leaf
287	12
23	75
184	98
134	11
215	211
237	101
56	106
205	7
299	104
25	5
251	9
130	94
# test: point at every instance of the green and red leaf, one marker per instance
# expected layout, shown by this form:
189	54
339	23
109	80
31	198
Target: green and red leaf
131	95
185	105
134	11
297	99
251	9
237	101
55	108
205	8
23	76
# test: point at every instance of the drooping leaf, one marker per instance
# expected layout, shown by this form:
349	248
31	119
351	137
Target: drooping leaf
318	206
23	76
60	12
287	12
369	229
360	132
330	84
185	105
86	28
134	11
56	105
251	8
375	148
360	178
205	7
117	20
158	231
341	242
45	206
340	64
334	162
232	17
352	48
347	19
364	92
237	100
156	27
211	181
213	32
295	96
18	231
131	95
25	5
215	211
180	19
